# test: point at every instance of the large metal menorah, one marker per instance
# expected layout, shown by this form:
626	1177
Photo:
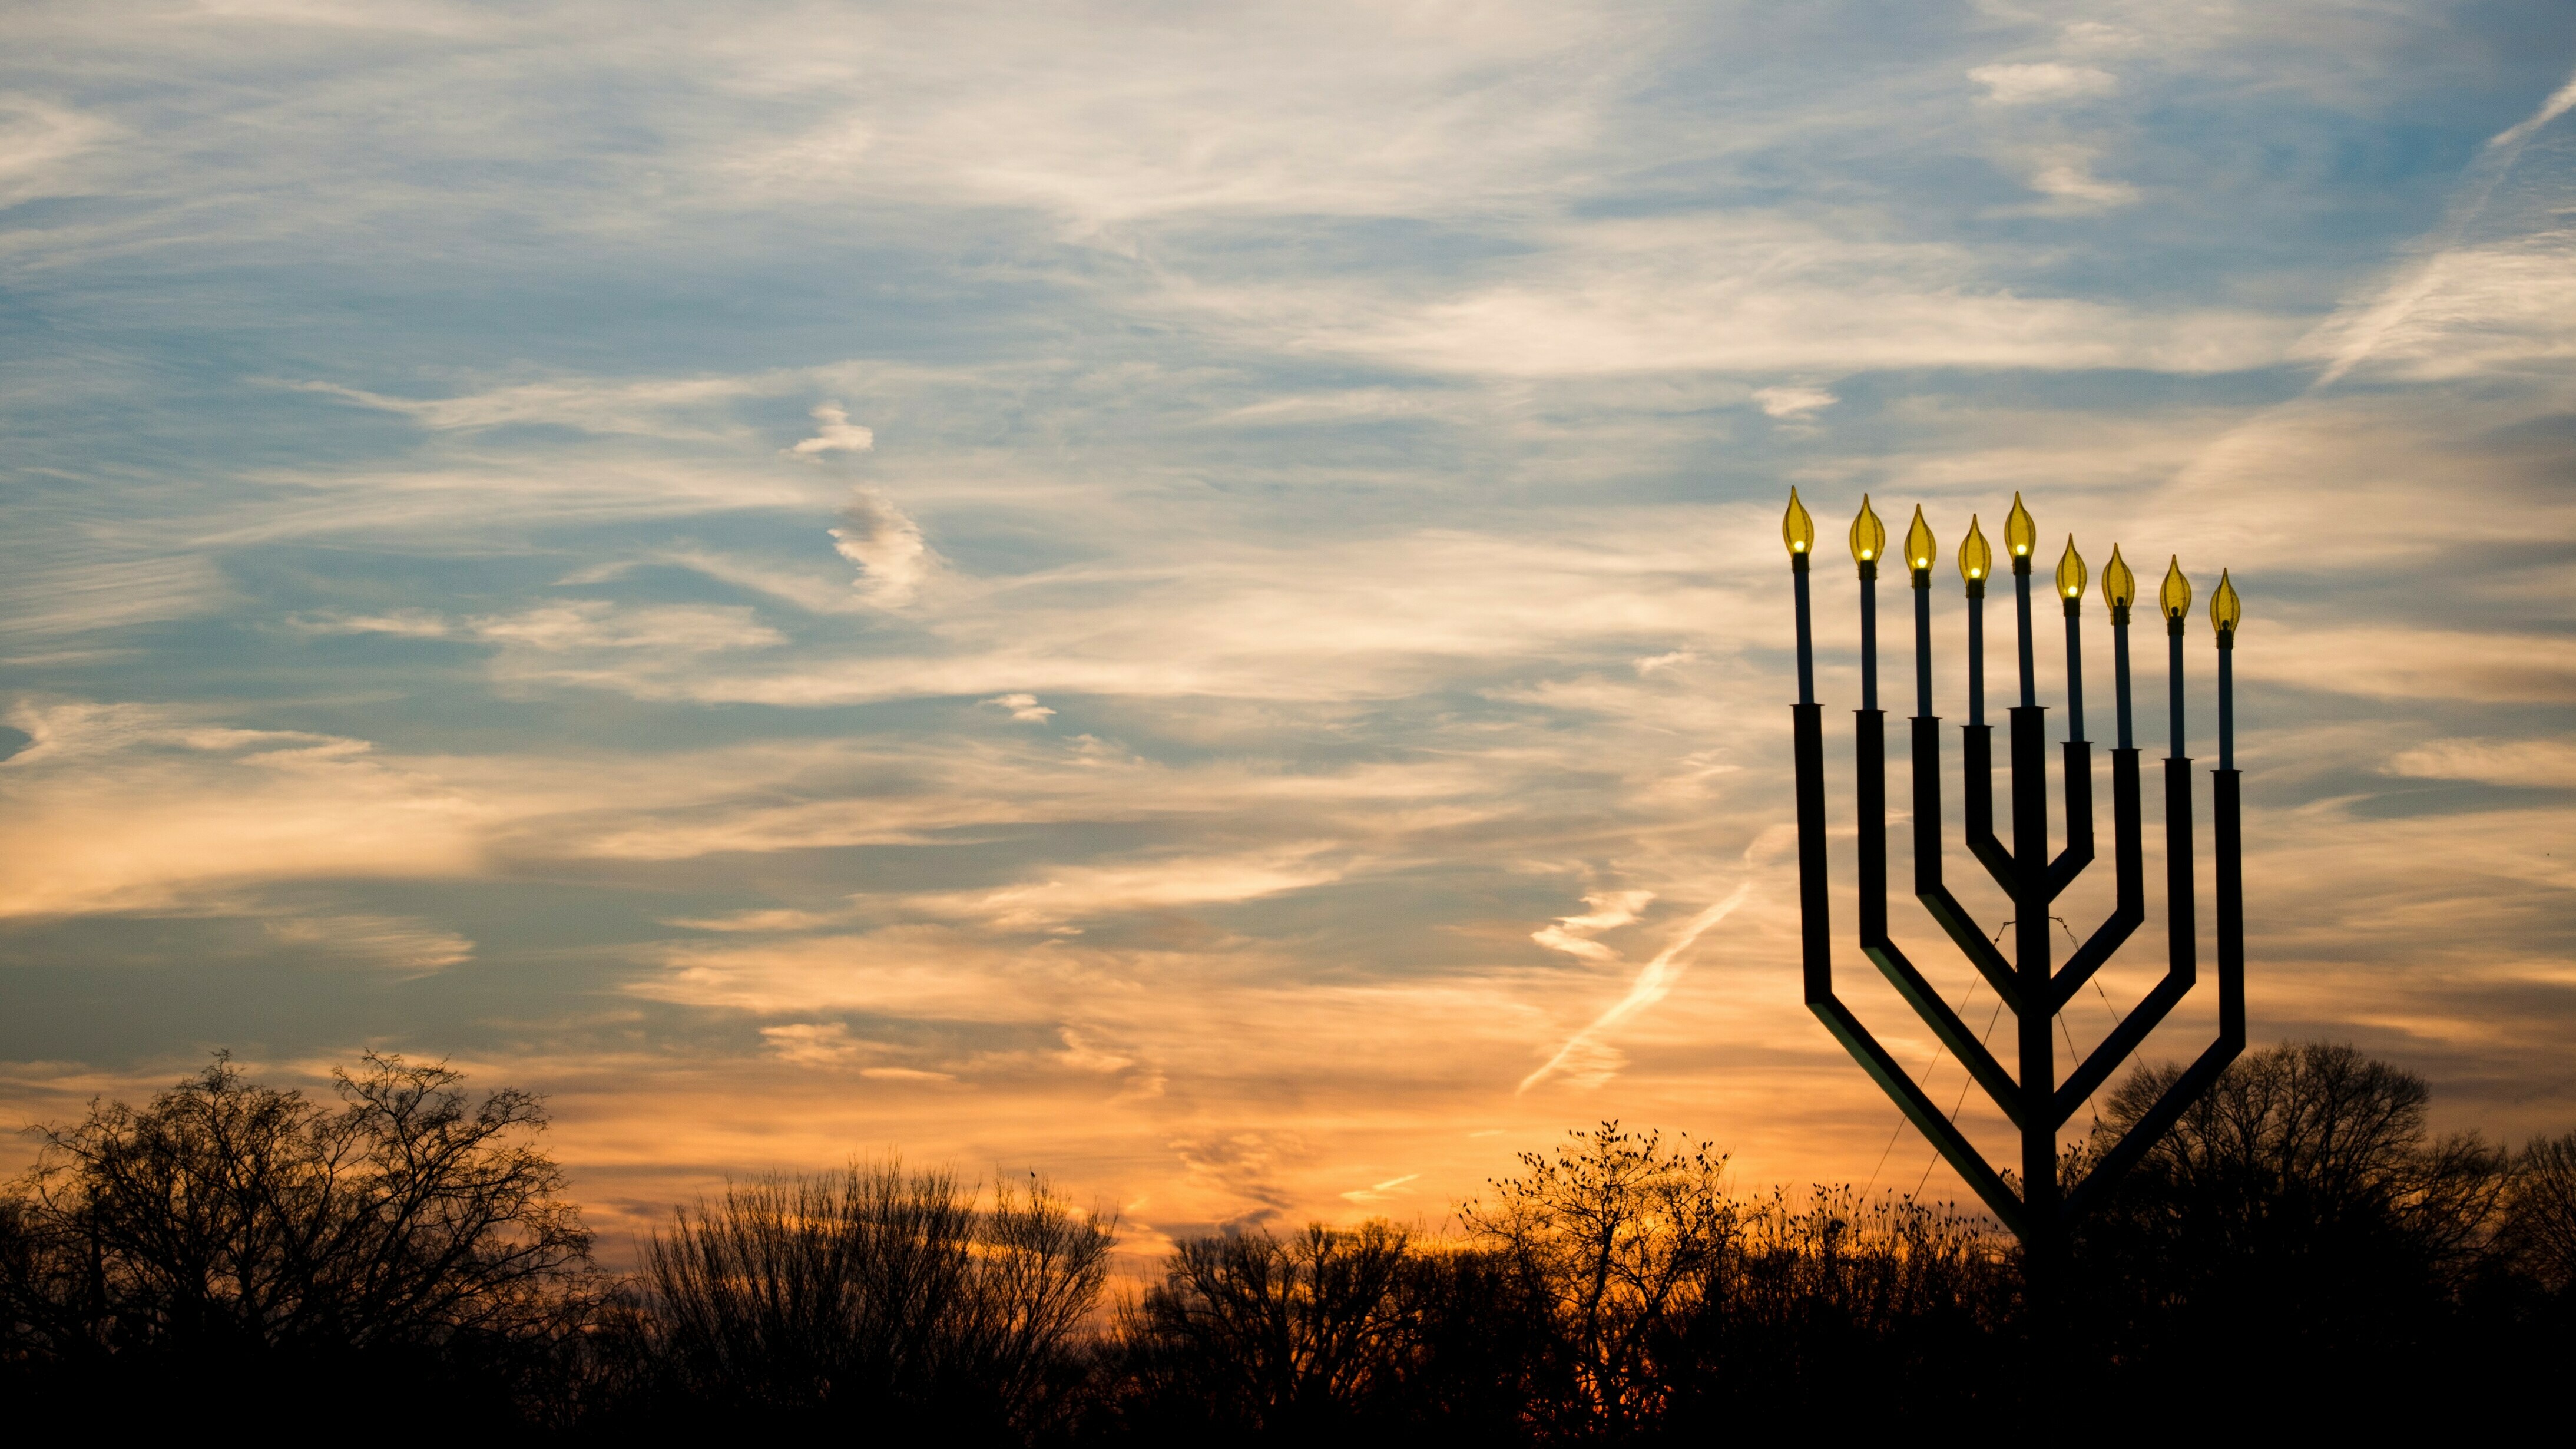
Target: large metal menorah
2030	986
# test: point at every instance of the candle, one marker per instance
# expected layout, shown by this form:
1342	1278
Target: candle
2070	588
2175	599
2021	535
1799	532
1976	560
2120	590
2225	609
1919	550
1868	541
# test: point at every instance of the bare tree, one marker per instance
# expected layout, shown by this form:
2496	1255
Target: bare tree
1618	1236
226	1223
2539	1231
2299	1216
871	1292
1262	1333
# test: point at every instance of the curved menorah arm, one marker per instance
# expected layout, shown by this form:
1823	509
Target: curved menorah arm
2142	1135
1946	1025
2182	954
1954	920
2070	862
1919	1109
1870	792
2128	863
1977	765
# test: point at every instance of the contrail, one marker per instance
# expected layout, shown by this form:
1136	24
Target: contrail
2407	292
1646	990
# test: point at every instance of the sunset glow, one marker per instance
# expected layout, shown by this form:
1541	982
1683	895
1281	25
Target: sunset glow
1195	602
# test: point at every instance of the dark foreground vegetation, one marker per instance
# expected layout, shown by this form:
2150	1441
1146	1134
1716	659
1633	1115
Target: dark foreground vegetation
2297	1249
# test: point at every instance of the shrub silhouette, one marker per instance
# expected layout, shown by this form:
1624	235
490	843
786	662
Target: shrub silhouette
870	1295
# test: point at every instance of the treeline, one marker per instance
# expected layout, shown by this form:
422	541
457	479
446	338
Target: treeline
2298	1248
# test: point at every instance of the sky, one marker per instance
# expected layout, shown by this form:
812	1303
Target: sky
1190	598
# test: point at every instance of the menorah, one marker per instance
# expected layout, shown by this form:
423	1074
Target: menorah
2030	986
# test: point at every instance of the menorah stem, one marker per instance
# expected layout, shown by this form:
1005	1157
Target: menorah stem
1870	779
1806	632
1976	653
1923	643
2074	669
2227	827
2173	687
2182	908
1869	636
2120	671
2031	970
1807	747
2021	614
2227	699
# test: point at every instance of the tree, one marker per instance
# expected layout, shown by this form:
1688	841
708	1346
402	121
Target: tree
869	1295
2539	1232
231	1230
1618	1237
2298	1219
1867	1312
1251	1333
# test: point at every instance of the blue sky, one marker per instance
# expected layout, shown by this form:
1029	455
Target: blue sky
1190	597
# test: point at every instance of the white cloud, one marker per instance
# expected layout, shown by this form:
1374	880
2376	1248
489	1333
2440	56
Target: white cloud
403	623
592	624
1793	402
1024	707
394	944
2041	82
812	1043
2066	172
38	143
125	807
677	408
2514	764
886	545
837	434
1739	294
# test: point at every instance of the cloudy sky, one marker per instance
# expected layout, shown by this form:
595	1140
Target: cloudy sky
1190	597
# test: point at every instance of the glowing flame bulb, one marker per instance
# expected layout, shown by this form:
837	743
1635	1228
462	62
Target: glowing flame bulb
2119	586
1976	560
1920	546
2225	609
2175	596
2070	572
2020	534
1796	528
1868	535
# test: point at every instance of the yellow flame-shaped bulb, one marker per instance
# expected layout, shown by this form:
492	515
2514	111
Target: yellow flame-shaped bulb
1796	528
1920	546
2175	596
1868	535
2225	609
1976	560
2119	586
2021	535
2070	572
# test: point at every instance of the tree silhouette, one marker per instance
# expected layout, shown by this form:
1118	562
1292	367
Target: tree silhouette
234	1233
870	1296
